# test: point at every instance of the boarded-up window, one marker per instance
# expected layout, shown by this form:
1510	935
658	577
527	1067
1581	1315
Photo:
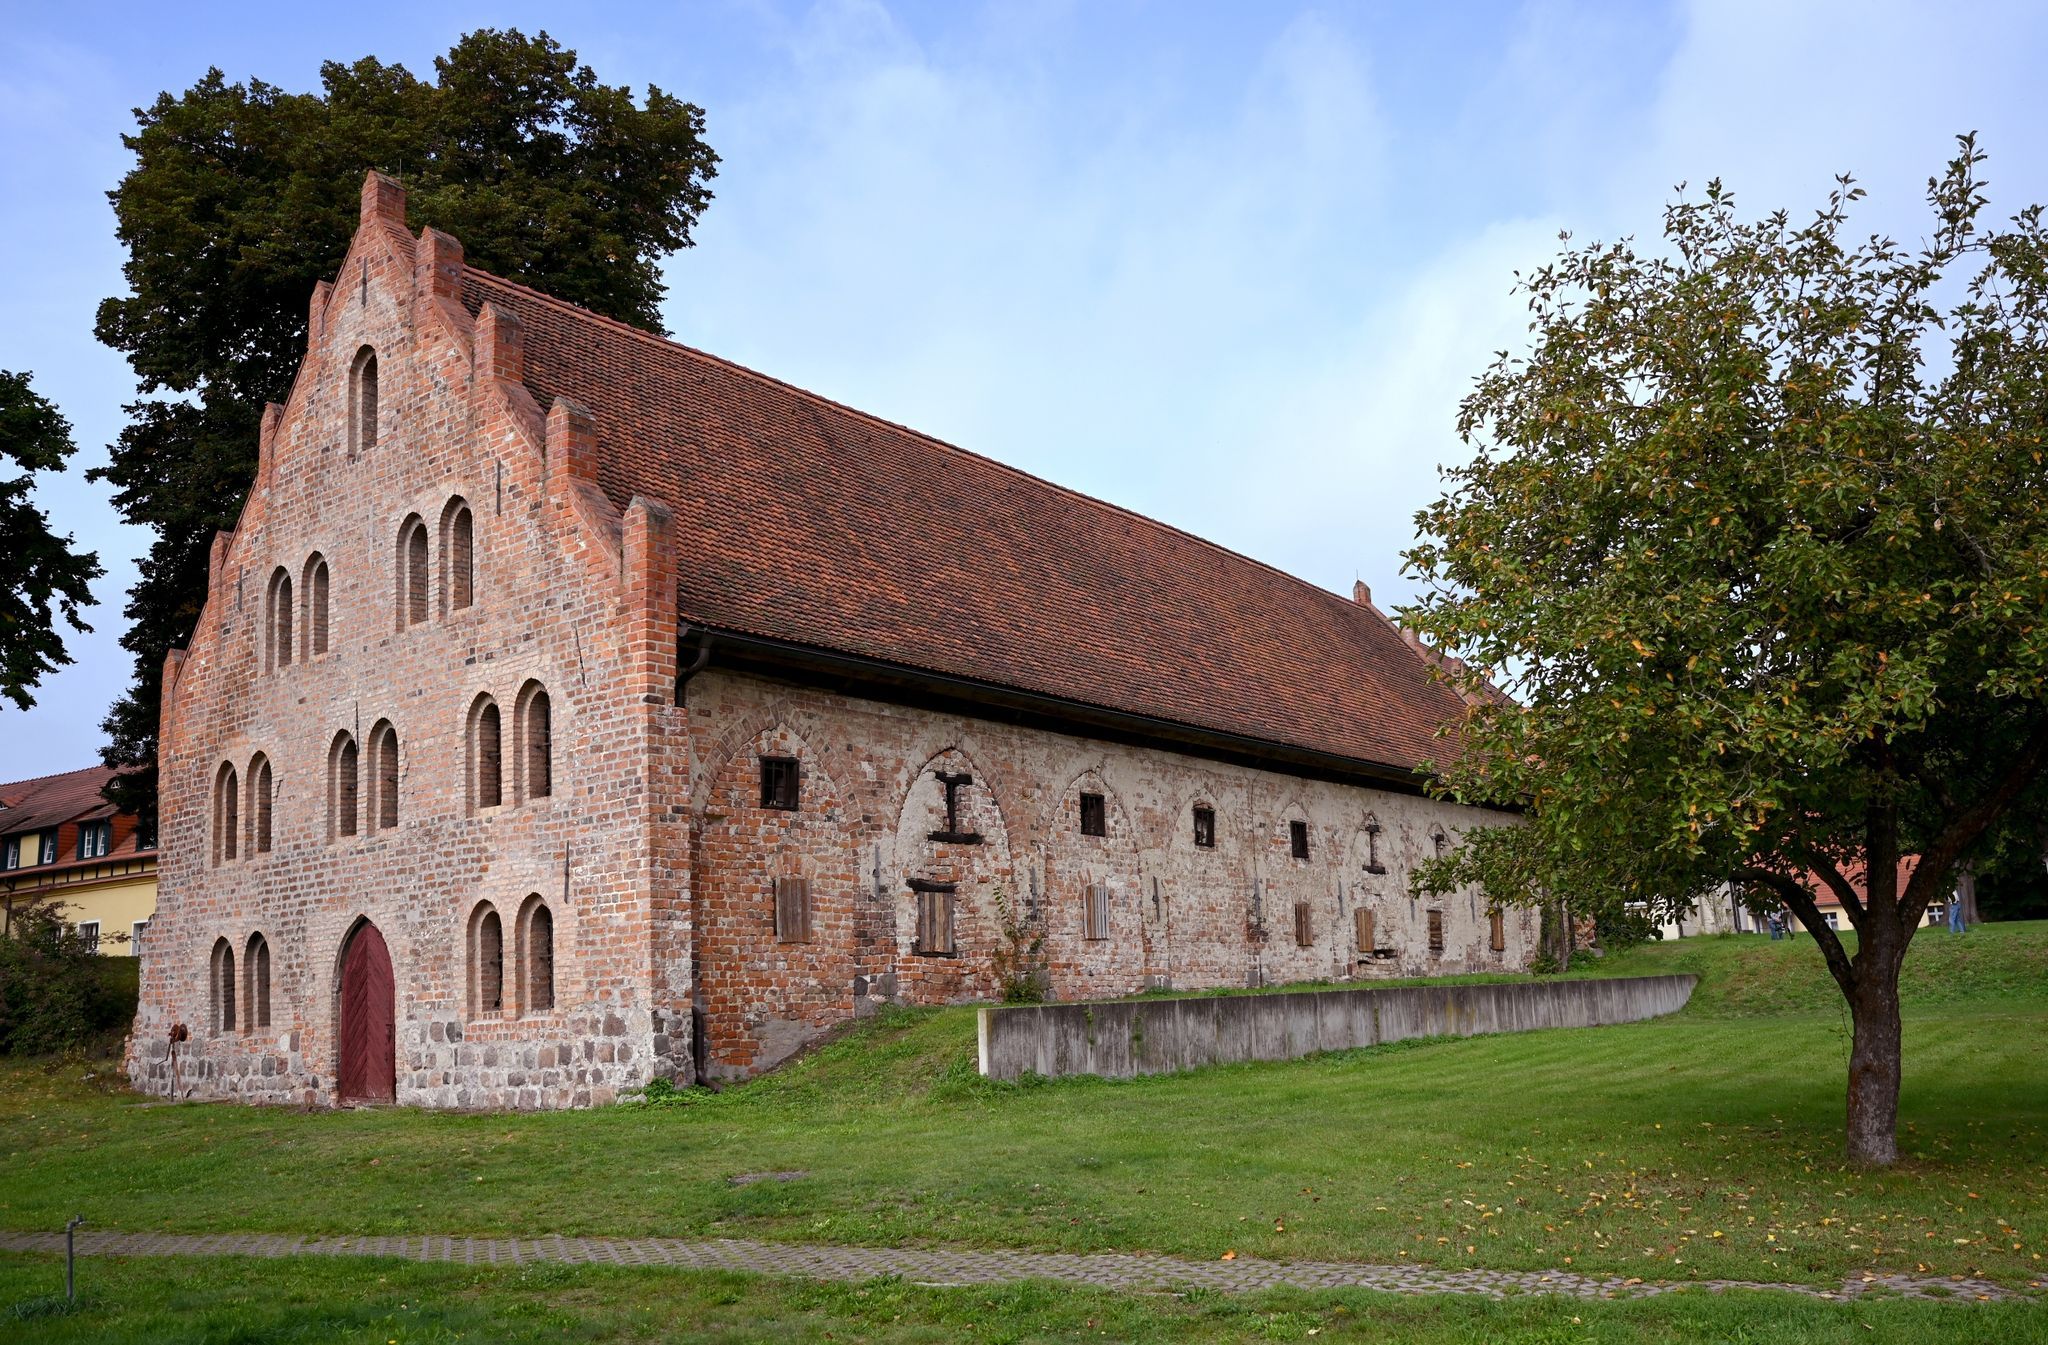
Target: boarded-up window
412	572
487	955
259	806
362	402
793	910
935	922
383	776
1297	839
1094	816
1361	921
487	777
458	549
1096	911
779	787
256	967
341	789
280	620
316	607
538	969
1304	925
537	741
227	815
1500	932
223	986
1436	931
1205	828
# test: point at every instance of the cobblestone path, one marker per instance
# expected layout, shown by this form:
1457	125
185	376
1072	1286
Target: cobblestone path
962	1266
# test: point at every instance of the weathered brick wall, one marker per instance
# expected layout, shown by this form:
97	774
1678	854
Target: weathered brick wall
1180	916
569	594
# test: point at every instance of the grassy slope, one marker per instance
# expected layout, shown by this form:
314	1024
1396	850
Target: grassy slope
1706	1144
165	1302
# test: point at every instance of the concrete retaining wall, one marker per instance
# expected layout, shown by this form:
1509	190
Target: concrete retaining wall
1156	1036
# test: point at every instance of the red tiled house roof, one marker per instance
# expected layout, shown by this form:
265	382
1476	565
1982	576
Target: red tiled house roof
60	803
803	521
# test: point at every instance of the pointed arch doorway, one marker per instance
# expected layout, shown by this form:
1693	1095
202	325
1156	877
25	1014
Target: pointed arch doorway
368	1070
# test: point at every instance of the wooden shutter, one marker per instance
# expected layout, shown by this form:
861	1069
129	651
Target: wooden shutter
1096	912
793	910
935	924
1436	931
1304	926
1500	932
1361	919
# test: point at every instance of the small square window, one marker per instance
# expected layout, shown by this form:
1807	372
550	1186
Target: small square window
1205	828
1297	839
1094	817
779	783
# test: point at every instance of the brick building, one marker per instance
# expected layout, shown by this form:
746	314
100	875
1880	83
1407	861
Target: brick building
571	708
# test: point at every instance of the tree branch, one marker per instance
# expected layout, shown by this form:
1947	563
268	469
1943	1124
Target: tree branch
1801	901
1938	860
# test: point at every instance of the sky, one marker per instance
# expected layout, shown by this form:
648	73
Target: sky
1231	265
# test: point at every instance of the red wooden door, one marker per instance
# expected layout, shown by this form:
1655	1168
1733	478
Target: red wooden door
369	1059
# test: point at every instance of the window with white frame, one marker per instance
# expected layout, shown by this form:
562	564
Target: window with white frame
49	847
95	839
89	934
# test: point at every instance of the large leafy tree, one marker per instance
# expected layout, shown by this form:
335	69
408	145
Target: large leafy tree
244	195
1756	535
42	576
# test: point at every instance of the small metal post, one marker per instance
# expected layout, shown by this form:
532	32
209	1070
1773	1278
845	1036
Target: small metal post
71	1258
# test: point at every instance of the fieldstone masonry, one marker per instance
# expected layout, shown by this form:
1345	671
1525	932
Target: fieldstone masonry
566	925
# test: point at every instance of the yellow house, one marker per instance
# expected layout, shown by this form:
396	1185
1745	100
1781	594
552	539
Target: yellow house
63	844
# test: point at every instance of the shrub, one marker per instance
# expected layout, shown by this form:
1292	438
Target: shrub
56	992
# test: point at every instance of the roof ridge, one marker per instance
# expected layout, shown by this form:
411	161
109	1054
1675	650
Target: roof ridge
57	775
642	334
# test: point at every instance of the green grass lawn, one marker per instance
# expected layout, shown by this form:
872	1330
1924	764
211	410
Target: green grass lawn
1702	1145
165	1302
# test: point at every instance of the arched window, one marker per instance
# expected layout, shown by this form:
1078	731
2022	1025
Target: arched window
278	618
362	402
412	572
486	962
536	957
343	773
227	814
259	805
222	981
256	984
486	775
316	606
536	743
458	561
383	777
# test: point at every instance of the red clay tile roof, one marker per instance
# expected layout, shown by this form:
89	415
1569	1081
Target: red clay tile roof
802	520
47	800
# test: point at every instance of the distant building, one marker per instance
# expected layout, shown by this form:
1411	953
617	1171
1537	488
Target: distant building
61	843
1830	905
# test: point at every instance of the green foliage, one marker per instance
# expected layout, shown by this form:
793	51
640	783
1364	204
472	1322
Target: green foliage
43	576
1019	958
244	195
56	993
1623	927
1755	537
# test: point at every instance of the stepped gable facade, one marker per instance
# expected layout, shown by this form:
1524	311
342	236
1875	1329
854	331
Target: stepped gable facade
572	709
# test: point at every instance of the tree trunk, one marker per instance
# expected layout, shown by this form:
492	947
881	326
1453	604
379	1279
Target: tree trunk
1874	1062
